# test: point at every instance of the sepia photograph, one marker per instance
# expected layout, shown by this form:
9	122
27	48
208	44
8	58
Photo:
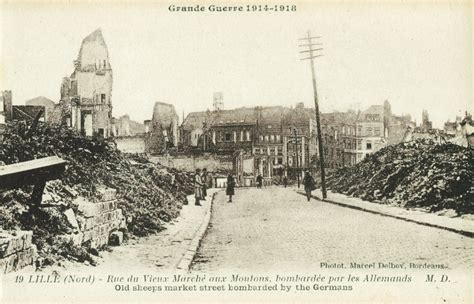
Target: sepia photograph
236	151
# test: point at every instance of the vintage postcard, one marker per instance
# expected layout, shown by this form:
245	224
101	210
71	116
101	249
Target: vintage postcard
236	151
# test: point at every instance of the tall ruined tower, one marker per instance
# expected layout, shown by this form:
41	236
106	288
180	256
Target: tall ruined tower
88	91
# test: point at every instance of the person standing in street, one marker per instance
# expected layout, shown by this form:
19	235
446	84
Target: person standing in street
198	187
285	181
259	181
230	187
204	183
308	182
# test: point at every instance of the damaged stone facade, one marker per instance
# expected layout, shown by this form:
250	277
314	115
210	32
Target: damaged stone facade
86	96
162	135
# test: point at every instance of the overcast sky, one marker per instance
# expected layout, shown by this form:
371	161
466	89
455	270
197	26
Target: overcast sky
416	56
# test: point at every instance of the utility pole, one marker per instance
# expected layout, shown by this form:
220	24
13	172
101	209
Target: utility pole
313	54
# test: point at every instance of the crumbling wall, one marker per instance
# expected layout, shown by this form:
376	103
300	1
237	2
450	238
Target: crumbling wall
96	221
135	144
189	163
16	250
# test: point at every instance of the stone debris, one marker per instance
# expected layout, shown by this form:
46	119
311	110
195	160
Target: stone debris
116	238
16	250
102	191
414	174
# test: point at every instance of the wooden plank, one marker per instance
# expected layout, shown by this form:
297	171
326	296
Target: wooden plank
31	172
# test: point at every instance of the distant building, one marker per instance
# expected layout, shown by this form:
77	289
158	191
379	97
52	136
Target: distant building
372	130
339	139
9	112
461	131
5	106
147	126
192	129
5	109
86	96
163	130
261	136
42	101
283	141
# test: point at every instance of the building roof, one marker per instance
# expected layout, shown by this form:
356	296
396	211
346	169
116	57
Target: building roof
194	120
348	118
262	115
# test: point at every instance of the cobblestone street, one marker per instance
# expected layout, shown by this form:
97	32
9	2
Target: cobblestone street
276	228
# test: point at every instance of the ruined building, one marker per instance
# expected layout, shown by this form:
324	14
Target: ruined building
86	96
10	112
5	106
162	135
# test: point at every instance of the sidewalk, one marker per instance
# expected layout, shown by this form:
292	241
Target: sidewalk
170	250
458	225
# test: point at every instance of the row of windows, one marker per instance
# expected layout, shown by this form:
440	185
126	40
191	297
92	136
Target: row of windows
269	151
98	64
372	117
270	138
368	145
232	136
100	98
275	161
369	130
348	130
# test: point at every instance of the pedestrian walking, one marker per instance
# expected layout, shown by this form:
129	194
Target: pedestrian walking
308	182
205	182
259	181
230	187
285	181
198	187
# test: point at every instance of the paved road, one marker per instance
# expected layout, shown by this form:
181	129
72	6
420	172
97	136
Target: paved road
276	228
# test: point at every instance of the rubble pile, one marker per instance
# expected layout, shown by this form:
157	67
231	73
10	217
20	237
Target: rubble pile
143	189
419	173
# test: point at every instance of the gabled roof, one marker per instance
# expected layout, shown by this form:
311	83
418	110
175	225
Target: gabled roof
374	109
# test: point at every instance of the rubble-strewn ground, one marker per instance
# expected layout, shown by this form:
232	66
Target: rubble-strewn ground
420	173
143	189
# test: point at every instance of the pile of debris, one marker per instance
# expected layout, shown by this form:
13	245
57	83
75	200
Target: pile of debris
143	189
419	173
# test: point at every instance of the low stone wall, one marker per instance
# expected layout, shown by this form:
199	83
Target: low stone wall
96	222
16	250
213	163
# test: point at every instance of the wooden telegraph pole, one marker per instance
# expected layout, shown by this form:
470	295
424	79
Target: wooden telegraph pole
313	54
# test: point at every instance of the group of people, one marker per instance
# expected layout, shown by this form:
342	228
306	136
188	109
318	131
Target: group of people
308	182
201	184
